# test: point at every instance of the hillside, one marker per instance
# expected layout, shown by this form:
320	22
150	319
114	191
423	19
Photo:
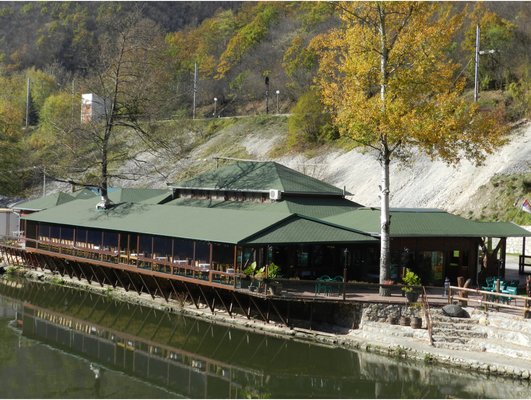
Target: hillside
486	192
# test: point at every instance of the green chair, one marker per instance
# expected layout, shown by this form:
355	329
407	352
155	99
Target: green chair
321	286
512	290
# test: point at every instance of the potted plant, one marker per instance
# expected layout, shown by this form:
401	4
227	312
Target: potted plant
416	321
411	282
258	275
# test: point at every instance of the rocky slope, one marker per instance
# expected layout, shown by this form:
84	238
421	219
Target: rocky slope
462	189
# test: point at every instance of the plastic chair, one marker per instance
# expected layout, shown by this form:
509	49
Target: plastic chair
321	286
513	290
335	288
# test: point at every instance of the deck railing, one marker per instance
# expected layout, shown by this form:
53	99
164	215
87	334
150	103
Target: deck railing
523	261
490	299
204	271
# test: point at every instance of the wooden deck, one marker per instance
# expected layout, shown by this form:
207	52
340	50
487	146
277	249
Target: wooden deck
214	288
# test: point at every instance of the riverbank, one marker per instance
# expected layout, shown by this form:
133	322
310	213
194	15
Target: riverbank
375	337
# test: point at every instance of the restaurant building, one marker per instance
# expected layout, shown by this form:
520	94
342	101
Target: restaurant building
216	224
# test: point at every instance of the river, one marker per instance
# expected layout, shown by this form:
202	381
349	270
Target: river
59	342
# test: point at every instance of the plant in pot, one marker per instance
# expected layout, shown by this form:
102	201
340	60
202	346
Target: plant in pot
273	273
252	273
411	282
259	274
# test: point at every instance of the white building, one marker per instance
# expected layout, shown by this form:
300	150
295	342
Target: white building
92	107
9	223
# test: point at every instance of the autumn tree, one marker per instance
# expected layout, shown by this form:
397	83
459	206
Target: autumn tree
11	159
386	77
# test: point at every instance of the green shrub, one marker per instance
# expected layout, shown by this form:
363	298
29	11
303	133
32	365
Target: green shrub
410	280
309	123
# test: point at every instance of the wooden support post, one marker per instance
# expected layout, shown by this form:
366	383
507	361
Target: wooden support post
95	275
132	282
116	274
258	309
105	276
229	311
206	299
85	275
277	312
160	289
146	286
191	296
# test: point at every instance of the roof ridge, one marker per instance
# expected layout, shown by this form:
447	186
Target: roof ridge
276	165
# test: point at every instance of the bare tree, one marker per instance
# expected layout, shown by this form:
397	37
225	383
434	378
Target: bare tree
128	78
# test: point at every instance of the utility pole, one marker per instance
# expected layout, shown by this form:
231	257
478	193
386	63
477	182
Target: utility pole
43	181
267	94
476	67
195	89
27	103
72	102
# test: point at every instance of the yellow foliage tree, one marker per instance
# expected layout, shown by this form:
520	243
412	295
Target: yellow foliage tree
386	76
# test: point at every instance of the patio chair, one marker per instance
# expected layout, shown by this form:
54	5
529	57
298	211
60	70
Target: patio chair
336	288
490	284
321	286
513	290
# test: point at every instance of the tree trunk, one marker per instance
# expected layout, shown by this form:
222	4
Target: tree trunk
385	155
385	241
105	202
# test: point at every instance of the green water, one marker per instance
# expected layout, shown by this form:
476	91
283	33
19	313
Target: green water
58	342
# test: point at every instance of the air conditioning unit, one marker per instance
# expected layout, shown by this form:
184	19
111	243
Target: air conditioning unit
275	194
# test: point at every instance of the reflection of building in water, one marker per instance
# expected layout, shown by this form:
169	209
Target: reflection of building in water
199	359
184	355
182	371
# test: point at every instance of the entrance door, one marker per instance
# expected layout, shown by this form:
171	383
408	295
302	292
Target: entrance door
433	267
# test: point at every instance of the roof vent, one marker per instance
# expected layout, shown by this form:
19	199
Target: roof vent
275	194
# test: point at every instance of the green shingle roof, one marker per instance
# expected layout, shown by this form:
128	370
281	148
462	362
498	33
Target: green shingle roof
45	202
303	230
259	177
135	195
208	224
426	223
311	207
84	194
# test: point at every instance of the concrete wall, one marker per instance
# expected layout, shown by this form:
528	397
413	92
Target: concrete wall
9	223
514	245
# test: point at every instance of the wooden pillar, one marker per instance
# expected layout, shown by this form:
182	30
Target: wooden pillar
503	255
37	226
128	246
119	245
152	246
172	250
521	260
60	240
193	255
235	264
137	248
210	249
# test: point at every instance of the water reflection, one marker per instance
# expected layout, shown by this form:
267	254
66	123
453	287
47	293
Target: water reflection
184	356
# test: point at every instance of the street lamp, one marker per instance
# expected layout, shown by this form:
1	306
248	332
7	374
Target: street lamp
215	106
277	92
476	63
